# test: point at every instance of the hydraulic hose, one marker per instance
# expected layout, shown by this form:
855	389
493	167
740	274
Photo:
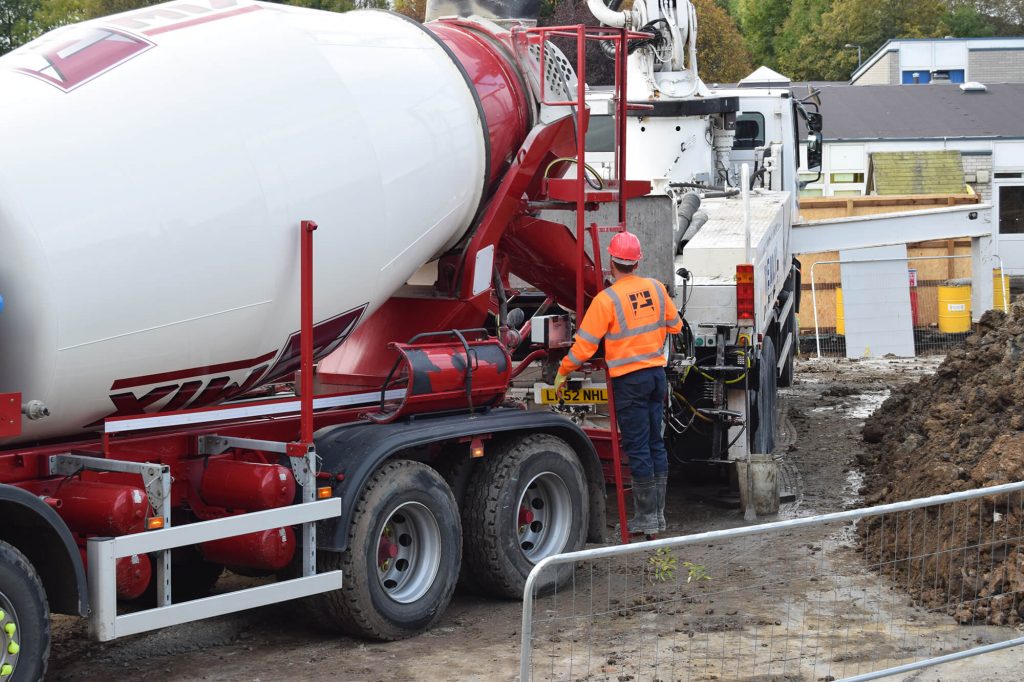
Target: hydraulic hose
607	46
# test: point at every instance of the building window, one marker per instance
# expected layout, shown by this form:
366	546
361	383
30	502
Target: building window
847	193
846	177
749	131
811	192
1011	210
1012	176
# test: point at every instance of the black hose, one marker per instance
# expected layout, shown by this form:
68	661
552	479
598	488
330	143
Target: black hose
499	291
759	173
607	46
697	185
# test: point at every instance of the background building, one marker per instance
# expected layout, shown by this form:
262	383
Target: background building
957	60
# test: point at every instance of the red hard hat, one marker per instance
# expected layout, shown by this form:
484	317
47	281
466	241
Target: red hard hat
625	248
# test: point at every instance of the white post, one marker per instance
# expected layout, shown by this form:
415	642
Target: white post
745	188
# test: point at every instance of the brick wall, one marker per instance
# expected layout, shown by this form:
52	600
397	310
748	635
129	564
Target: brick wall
883	72
979	162
996	66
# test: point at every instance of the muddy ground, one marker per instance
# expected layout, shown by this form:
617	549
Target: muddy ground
794	606
961	428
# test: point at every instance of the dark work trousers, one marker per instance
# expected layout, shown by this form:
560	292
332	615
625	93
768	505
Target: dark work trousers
640	407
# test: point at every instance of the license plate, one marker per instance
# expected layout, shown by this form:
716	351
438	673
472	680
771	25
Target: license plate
588	395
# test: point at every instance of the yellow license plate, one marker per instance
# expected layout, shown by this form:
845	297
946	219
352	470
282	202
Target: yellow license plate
577	396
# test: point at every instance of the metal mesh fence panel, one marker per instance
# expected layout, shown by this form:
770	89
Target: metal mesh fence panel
937	290
840	596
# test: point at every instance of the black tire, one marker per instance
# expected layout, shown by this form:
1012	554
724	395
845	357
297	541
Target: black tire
412	501
786	377
518	481
763	438
23	600
457	473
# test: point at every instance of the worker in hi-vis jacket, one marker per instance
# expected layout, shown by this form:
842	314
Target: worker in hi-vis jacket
633	316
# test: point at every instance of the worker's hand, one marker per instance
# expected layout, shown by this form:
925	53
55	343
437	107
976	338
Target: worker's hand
560	384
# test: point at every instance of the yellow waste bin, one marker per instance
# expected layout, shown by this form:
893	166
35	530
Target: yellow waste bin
840	319
1000	284
955	306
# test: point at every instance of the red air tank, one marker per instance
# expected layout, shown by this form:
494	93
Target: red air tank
269	550
133	574
247	486
94	508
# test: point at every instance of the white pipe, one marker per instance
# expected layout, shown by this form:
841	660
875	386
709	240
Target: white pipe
609	17
745	188
692	41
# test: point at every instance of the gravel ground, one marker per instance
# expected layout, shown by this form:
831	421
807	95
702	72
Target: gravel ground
478	639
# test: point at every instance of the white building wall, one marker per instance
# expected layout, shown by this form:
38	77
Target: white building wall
988	60
978	156
882	71
978	173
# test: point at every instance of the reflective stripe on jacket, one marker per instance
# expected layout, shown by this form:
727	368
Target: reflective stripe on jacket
633	316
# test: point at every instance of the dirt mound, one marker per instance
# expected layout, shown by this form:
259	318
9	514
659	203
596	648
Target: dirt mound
959	429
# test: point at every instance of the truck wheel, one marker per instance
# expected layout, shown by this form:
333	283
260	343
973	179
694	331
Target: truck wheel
786	377
763	438
24	619
402	562
528	500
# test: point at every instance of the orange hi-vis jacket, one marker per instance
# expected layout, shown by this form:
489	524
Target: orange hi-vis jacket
633	316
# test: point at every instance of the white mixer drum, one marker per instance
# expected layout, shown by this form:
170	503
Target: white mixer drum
155	165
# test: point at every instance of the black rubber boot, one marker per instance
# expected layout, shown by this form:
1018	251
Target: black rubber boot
645	507
661	486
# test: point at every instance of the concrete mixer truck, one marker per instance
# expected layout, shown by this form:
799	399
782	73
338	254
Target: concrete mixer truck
255	273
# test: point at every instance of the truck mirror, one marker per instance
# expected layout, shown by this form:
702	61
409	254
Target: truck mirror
814	150
814	121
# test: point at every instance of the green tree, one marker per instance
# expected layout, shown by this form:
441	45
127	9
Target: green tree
760	21
721	55
329	5
53	13
821	55
16	19
967	21
414	9
804	20
1006	16
341	5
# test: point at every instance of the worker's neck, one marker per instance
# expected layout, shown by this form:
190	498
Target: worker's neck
618	274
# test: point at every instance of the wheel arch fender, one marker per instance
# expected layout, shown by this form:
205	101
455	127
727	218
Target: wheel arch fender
38	532
353	452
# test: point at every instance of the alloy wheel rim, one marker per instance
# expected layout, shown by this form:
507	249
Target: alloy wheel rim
544	517
408	552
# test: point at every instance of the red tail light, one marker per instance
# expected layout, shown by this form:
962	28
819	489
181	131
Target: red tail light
744	292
